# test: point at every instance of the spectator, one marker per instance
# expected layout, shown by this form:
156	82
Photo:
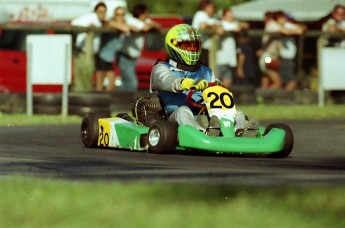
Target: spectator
246	60
97	19
269	54
277	60
110	45
133	45
336	24
226	54
288	50
202	20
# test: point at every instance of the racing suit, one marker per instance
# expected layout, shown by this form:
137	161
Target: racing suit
166	80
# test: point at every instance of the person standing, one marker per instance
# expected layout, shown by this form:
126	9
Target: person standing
203	20
110	45
335	24
269	61
94	19
246	61
288	50
133	45
226	53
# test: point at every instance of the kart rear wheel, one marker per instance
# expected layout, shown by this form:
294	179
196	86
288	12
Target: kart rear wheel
162	137
125	116
288	140
89	128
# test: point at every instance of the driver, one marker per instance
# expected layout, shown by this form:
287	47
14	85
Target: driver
181	72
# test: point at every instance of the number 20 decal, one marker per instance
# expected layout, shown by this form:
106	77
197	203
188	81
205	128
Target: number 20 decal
103	138
220	97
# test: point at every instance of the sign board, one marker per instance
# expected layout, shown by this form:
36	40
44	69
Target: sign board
331	70
49	60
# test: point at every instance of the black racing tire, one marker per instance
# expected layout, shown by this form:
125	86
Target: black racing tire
122	97
89	99
89	130
152	118
47	109
162	137
288	140
83	110
125	116
53	99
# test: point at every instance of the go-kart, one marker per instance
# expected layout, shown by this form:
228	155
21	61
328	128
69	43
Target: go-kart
149	130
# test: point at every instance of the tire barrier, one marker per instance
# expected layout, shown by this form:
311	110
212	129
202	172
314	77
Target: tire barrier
12	103
121	101
78	103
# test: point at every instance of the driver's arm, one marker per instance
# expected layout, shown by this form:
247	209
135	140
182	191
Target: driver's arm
162	79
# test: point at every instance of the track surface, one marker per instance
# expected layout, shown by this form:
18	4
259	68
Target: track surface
54	151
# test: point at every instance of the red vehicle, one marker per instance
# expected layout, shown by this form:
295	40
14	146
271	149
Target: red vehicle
13	57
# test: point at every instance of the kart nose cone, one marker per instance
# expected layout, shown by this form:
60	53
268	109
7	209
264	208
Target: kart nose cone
154	136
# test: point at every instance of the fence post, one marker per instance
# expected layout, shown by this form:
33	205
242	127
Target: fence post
84	66
321	92
212	55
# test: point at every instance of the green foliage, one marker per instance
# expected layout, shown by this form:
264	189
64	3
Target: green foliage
182	7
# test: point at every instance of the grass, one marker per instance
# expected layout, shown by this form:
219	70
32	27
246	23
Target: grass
30	202
295	112
34	202
261	112
23	119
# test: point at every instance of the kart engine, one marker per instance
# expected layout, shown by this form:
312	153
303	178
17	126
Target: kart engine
147	108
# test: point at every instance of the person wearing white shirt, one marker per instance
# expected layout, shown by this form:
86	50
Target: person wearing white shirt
226	53
95	19
336	23
203	20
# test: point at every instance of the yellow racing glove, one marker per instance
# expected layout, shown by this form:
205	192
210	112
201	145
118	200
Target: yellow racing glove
187	83
200	84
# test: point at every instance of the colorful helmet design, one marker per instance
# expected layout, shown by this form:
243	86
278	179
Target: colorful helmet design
183	43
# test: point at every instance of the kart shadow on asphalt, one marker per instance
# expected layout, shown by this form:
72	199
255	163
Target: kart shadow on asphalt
222	154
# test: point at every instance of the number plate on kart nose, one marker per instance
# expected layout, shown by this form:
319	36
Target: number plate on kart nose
219	102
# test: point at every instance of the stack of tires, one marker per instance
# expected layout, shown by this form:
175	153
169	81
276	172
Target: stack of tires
83	103
121	100
78	103
47	103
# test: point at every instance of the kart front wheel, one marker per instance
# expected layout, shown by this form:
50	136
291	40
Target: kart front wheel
162	137
288	140
89	128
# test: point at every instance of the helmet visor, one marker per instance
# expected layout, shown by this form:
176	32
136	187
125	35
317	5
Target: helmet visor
189	45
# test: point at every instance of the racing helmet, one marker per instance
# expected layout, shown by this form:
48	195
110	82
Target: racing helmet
183	43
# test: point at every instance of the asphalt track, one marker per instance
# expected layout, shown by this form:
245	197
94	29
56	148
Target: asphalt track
56	151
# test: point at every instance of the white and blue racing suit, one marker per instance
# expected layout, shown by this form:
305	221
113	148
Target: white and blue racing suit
166	80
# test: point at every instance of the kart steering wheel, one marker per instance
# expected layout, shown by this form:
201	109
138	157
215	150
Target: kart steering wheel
197	104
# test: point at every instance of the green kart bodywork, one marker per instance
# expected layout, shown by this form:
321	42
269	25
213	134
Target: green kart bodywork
276	140
270	143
